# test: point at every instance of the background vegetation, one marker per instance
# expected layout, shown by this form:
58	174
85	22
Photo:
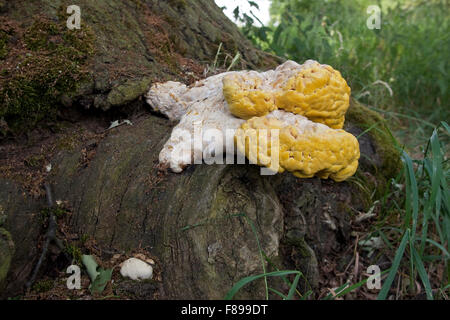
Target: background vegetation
400	70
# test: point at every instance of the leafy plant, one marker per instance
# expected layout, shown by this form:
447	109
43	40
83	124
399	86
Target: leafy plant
99	276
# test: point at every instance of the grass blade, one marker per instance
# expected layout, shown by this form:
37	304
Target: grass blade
398	257
216	59
338	290
278	293
241	283
446	126
422	273
437	245
234	61
412	192
293	287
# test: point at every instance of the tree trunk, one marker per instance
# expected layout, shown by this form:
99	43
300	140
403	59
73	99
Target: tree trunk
197	224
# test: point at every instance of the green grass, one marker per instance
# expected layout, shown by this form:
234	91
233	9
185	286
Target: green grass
425	215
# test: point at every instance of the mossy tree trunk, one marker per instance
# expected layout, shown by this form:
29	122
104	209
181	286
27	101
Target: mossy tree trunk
198	224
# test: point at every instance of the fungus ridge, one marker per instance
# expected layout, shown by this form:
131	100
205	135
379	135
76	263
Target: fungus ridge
315	91
305	148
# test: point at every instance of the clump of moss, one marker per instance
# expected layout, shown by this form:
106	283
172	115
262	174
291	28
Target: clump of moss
74	251
43	286
40	35
385	144
52	65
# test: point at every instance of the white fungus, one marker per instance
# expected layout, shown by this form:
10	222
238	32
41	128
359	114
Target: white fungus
136	269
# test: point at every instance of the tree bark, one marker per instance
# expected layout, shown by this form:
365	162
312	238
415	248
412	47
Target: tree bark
195	223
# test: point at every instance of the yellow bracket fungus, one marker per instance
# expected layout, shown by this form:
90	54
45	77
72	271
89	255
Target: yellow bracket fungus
245	97
305	148
305	105
315	91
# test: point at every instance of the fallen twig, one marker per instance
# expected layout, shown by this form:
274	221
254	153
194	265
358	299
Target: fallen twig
50	237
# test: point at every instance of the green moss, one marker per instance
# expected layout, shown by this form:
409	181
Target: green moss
385	146
178	4
128	92
39	35
43	286
52	67
75	252
300	244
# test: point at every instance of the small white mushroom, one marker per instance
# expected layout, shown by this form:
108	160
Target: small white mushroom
136	269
